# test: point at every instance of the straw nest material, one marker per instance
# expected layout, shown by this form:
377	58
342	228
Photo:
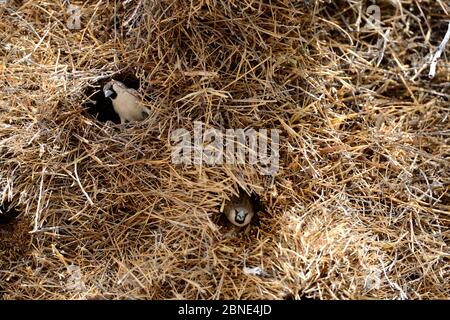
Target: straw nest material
358	209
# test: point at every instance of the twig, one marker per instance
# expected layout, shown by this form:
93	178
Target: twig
38	206
438	53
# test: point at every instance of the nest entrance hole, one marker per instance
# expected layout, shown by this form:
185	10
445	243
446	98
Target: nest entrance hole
8	213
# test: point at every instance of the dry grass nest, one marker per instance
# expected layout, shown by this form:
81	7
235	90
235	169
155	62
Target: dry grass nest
92	209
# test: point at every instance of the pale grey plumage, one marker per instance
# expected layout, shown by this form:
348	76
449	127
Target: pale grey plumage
126	102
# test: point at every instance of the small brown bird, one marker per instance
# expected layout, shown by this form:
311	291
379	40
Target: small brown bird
126	102
239	210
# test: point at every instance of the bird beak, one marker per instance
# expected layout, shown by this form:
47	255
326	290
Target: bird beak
108	93
240	216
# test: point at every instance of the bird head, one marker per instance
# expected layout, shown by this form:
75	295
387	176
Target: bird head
109	90
241	216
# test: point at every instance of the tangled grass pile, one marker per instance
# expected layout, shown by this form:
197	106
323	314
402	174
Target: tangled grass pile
92	209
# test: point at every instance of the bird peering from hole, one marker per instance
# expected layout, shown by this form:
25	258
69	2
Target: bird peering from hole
126	102
239	210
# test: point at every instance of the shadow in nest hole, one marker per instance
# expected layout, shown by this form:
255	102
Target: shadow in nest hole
258	206
100	107
8	213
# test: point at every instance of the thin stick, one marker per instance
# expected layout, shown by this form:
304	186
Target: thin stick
38	207
438	53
